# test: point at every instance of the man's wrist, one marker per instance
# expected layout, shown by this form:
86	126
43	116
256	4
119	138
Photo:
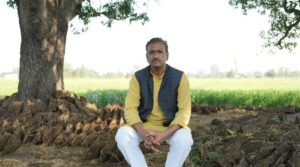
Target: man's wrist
139	127
172	129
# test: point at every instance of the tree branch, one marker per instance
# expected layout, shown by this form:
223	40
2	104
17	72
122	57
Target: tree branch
287	31
290	10
70	8
288	28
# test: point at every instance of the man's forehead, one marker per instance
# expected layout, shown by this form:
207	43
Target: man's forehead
156	45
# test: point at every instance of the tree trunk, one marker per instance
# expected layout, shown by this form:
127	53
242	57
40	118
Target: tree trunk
44	26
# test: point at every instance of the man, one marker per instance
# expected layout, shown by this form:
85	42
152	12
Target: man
157	109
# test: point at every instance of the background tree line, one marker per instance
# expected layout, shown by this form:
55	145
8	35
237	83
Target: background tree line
84	72
214	72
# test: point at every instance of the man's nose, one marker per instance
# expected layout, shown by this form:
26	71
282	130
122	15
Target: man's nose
156	54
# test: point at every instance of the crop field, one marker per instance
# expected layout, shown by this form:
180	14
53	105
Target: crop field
268	92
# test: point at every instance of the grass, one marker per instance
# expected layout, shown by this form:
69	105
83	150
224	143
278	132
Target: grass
259	98
87	85
269	92
7	87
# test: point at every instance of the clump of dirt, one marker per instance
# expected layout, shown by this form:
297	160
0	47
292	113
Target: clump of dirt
72	132
68	120
259	138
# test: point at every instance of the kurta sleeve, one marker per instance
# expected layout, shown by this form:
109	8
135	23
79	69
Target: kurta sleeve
132	101
183	115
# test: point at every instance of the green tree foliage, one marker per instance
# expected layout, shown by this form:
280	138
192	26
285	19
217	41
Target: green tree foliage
270	73
214	71
284	18
113	10
82	72
68	69
230	74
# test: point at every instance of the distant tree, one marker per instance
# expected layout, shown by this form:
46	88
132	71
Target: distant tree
84	73
44	26
270	73
201	74
15	70
258	74
231	74
118	74
214	71
283	72
284	17
68	69
294	73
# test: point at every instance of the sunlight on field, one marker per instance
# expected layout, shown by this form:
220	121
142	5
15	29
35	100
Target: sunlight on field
7	87
77	85
271	92
245	83
84	85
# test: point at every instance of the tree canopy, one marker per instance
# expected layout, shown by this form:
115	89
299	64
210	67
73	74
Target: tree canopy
284	18
112	10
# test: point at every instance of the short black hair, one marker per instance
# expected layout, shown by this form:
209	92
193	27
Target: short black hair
155	40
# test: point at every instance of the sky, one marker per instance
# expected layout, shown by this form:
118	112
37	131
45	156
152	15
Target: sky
199	34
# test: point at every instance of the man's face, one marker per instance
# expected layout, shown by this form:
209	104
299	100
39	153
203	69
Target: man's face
157	55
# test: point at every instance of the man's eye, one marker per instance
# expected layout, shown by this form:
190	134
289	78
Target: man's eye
151	52
157	51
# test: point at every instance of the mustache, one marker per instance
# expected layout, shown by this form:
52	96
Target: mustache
155	59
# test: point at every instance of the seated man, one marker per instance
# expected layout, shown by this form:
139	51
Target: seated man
157	110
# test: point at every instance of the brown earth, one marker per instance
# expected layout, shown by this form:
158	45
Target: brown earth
71	132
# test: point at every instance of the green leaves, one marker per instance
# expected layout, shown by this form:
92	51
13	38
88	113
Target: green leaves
11	3
122	10
284	18
113	11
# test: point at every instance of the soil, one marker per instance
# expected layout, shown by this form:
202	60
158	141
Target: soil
71	132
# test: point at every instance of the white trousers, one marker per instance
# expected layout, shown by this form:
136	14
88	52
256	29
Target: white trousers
128	141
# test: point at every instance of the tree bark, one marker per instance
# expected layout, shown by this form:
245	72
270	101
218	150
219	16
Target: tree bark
44	26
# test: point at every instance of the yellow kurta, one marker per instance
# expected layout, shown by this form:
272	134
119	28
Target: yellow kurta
157	116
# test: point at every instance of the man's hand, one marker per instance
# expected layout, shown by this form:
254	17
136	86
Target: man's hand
152	139
149	144
159	137
147	135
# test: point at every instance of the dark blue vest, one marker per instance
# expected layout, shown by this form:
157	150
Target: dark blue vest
167	96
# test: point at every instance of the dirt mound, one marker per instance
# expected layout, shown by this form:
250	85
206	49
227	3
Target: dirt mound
68	120
70	131
256	139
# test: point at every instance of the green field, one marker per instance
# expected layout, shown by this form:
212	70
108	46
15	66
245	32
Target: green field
269	92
